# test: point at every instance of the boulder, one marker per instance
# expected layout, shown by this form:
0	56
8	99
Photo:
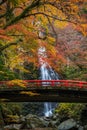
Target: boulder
81	128
22	118
53	123
48	128
66	125
33	121
12	127
55	116
85	127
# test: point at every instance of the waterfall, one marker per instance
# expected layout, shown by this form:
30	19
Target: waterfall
48	109
46	73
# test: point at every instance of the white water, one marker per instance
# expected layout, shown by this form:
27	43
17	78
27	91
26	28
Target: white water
48	109
47	73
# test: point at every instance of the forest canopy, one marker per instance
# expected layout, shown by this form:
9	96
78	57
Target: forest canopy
60	26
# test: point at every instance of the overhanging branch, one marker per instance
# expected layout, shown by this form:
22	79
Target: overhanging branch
50	16
34	4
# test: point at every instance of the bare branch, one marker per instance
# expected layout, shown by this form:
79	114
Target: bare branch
50	16
54	31
35	4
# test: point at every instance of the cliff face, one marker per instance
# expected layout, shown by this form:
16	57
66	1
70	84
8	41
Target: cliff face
36	108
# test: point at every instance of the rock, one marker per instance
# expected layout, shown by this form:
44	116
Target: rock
55	116
48	128
66	125
53	123
85	127
81	128
36	108
34	121
22	118
12	127
83	117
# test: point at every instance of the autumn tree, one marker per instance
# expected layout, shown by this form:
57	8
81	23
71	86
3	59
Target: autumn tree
21	21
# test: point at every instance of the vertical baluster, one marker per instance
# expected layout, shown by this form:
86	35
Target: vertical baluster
80	84
66	83
52	83
39	83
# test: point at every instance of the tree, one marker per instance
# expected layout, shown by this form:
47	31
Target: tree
24	19
69	110
39	10
72	44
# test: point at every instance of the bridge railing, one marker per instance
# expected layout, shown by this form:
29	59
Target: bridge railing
45	83
58	83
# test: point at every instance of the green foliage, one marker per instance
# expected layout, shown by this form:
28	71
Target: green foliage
12	119
85	10
5	110
7	75
69	110
16	108
11	108
35	108
14	2
5	72
11	111
32	73
74	73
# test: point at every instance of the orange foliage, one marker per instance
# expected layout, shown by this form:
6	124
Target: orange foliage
28	17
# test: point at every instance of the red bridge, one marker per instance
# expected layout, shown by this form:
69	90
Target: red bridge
43	90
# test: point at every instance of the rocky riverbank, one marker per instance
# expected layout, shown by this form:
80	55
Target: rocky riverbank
34	122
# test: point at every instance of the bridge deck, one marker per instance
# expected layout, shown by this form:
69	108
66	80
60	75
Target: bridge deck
42	95
50	91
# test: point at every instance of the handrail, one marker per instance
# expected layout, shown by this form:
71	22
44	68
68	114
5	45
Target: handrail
51	83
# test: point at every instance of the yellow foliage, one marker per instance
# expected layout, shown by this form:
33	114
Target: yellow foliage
61	24
51	40
12	118
1	72
58	12
51	49
17	83
83	29
4	100
30	93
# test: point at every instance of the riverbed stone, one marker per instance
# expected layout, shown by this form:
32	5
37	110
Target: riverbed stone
53	123
12	127
34	121
48	128
22	118
66	125
85	127
81	128
55	116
